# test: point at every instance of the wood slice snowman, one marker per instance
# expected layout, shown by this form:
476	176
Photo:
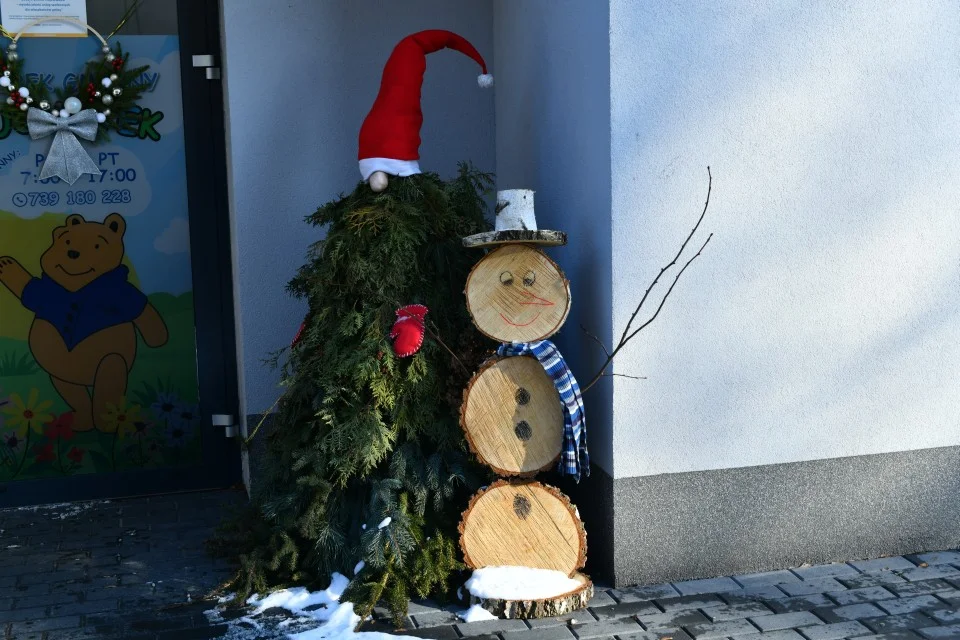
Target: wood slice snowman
513	418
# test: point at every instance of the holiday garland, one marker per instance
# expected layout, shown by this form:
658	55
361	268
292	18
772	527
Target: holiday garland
106	84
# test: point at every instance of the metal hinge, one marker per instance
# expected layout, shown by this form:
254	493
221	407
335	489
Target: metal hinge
230	428
208	63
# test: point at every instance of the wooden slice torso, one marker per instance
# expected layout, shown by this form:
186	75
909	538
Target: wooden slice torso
512	416
575	600
517	294
523	524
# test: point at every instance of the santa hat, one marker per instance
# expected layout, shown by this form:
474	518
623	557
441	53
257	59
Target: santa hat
390	135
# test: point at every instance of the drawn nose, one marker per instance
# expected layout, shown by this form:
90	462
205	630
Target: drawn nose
73	255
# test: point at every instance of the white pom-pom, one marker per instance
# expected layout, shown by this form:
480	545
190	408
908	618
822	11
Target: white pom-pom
106	82
485	80
378	181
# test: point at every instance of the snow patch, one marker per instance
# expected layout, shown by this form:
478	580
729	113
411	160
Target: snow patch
476	613
63	510
519	583
360	565
385	522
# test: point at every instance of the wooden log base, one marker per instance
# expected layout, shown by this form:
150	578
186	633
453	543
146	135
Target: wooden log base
543	608
523	524
542	236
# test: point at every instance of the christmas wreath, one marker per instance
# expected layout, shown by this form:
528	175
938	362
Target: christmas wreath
106	85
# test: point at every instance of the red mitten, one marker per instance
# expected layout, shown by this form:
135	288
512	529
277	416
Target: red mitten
407	332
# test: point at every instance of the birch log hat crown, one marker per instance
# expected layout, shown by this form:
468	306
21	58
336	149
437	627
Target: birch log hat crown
516	222
390	134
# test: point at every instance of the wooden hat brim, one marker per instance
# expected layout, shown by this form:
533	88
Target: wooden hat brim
543	237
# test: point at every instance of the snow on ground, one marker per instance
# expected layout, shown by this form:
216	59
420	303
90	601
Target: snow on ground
63	510
519	583
385	522
476	613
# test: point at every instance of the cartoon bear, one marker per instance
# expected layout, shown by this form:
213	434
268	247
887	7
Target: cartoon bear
84	332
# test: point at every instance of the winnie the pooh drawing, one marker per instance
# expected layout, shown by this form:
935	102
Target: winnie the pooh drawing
84	332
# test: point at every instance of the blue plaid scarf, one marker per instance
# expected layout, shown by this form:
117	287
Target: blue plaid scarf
574	458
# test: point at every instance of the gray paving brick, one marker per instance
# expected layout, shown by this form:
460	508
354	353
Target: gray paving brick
944	616
929	572
818	585
911	604
950	597
915	620
786	621
835	631
832	570
872	580
937	557
545	633
601	599
672	620
952	632
720	629
800	603
920	587
866	594
782	634
624	610
435	618
606	628
736	611
894	563
893	635
490	626
753	594
583	617
44	624
648	592
850	612
689	602
445	632
766	578
677	634
709	585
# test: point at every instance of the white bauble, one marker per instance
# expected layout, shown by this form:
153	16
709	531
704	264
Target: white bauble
73	105
106	82
4	81
23	91
378	181
101	118
64	113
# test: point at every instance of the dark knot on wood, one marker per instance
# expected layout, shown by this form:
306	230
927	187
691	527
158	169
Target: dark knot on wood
523	430
521	507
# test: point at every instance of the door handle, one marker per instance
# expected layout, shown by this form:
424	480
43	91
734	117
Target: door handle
228	423
208	63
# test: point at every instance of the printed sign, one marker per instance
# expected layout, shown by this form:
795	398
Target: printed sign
15	14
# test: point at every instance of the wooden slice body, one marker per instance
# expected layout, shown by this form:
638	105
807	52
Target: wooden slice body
516	293
543	608
512	416
523	524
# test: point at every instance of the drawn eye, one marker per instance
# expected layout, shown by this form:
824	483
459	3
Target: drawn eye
529	279
68	242
506	278
96	246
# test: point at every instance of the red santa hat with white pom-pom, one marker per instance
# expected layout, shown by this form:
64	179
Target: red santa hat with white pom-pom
390	135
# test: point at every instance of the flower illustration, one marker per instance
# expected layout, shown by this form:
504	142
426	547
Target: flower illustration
76	455
44	452
141	427
122	418
12	441
166	405
61	426
28	415
186	415
177	434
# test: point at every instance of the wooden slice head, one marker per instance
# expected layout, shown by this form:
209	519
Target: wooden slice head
512	416
517	294
523	524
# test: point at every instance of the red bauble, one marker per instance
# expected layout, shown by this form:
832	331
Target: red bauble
407	333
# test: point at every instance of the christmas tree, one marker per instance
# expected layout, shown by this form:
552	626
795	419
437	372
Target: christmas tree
367	462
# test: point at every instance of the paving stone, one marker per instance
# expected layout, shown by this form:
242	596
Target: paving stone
736	611
936	557
894	563
435	618
866	594
800	603
606	628
872	580
911	604
835	631
648	592
950	597
444	632
944	616
850	612
893	635
197	633
915	620
932	571
490	626
832	570
818	585
766	578
709	585
624	610
786	620
689	602
952	632
582	617
720	629
672	620
44	624
546	633
753	594
601	599
677	634
920	587
782	634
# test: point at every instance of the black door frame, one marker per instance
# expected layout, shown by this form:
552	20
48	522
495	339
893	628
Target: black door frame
210	253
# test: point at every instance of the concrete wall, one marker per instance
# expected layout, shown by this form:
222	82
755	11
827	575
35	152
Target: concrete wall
300	76
824	319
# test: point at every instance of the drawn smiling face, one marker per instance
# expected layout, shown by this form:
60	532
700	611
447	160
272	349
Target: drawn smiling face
517	294
83	250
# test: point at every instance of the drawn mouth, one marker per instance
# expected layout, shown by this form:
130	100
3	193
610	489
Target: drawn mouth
83	273
515	324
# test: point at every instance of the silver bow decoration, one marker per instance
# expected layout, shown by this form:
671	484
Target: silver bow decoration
66	159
